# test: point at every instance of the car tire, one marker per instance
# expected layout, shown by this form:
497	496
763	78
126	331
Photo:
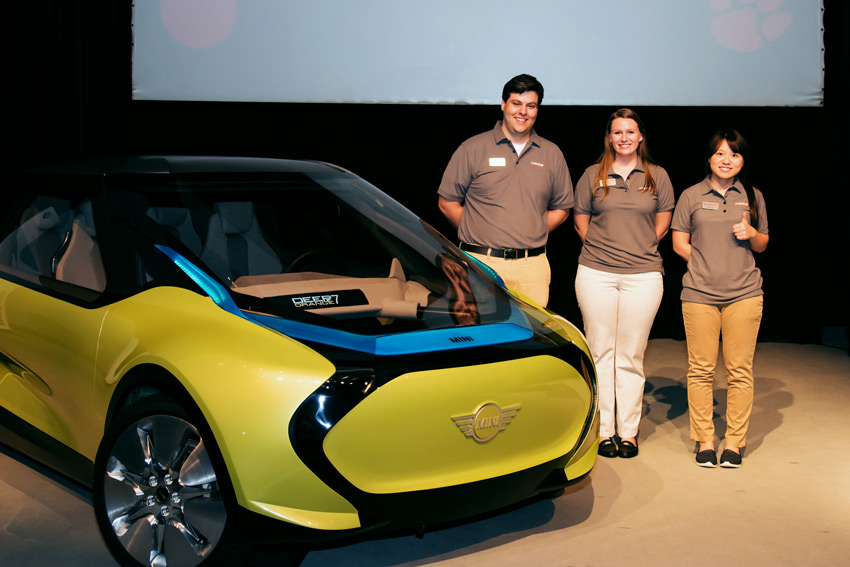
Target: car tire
160	490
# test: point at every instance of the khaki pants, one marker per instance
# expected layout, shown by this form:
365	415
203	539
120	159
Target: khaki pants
529	276
738	323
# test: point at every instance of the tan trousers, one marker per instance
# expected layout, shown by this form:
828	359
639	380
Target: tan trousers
738	323
529	276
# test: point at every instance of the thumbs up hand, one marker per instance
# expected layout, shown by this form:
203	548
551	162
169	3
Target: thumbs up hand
743	230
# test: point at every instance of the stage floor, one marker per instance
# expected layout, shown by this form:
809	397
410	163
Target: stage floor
787	505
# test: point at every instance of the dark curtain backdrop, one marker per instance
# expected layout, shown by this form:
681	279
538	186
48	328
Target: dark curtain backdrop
66	93
66	79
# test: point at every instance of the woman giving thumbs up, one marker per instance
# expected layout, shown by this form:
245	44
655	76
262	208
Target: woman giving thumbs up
717	225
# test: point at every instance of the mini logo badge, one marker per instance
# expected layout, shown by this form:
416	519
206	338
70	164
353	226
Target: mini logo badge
487	421
462	339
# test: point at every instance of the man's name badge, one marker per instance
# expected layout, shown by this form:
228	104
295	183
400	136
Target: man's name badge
497	162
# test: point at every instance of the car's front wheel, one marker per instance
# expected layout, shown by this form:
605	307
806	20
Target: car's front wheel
159	497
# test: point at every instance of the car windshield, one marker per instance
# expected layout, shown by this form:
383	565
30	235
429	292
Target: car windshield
327	248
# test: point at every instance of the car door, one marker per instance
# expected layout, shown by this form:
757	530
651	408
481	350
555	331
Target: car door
51	282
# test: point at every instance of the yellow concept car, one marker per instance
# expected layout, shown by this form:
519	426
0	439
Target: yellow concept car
235	351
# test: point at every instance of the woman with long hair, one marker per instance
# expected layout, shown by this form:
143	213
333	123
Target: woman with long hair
624	203
717	226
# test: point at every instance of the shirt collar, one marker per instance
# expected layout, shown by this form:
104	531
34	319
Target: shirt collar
500	137
707	188
638	167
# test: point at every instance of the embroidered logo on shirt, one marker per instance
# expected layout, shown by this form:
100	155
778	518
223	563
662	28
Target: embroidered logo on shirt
711	206
537	164
497	162
742	204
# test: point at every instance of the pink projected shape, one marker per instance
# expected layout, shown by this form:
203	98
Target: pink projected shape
199	23
745	27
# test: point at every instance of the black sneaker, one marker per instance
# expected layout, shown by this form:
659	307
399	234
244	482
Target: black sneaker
729	459
707	458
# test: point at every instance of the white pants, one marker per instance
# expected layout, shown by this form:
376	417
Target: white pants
618	310
529	276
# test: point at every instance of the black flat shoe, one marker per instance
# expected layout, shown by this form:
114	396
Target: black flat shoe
707	458
627	450
729	459
607	448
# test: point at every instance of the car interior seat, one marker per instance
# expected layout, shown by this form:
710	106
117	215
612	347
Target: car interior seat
235	245
79	261
178	221
33	245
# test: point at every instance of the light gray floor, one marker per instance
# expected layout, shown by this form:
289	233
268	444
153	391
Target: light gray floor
788	505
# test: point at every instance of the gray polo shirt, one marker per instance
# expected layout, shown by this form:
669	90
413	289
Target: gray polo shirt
506	196
721	268
621	236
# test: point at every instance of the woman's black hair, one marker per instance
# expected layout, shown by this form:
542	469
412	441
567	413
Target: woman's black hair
738	144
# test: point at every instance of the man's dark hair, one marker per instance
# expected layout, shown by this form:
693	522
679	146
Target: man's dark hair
522	84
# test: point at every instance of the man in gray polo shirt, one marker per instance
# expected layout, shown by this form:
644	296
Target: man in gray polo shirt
506	189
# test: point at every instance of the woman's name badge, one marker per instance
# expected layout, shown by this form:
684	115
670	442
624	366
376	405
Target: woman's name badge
497	162
711	206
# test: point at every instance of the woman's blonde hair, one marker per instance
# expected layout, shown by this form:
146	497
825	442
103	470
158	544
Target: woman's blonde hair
606	160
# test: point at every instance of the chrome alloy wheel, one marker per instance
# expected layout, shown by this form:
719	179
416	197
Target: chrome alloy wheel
161	495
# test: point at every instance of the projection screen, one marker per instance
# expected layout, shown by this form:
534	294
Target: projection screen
585	52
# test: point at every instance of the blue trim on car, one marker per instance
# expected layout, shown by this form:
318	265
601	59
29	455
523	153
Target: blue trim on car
487	269
415	342
430	340
212	288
